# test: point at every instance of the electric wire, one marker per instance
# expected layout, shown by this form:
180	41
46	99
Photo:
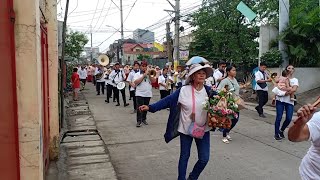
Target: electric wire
100	14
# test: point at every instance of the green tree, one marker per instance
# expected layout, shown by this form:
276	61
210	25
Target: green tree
303	33
75	42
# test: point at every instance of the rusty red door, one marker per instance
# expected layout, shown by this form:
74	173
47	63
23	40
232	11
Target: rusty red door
9	144
45	95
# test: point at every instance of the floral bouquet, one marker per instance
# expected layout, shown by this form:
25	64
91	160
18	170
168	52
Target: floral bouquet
222	108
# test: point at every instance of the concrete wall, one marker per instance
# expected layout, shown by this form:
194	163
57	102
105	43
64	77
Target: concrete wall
52	26
267	34
29	84
28	69
308	78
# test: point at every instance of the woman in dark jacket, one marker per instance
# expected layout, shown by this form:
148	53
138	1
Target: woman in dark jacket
186	107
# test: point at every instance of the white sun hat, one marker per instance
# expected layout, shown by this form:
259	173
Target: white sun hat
196	67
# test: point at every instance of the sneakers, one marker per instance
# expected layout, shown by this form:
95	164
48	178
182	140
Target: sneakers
262	115
144	122
225	140
229	137
107	101
138	124
277	137
281	135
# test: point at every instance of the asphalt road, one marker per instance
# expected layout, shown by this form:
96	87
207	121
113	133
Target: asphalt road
142	154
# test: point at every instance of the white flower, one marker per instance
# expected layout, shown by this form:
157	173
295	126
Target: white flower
207	98
236	105
204	104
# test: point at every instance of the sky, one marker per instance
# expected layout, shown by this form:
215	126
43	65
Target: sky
103	18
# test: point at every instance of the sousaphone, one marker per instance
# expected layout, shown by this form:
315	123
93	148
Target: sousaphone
103	60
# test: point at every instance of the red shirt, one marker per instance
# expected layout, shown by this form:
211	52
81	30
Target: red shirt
75	80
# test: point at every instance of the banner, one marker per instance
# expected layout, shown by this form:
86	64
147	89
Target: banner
184	55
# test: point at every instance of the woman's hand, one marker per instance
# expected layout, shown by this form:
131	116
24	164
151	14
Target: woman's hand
144	108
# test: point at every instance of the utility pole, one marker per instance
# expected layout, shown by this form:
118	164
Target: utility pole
91	44
62	63
284	7
122	36
176	36
168	37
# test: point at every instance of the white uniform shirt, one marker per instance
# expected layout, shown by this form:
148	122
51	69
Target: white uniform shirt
259	76
310	164
119	76
130	78
82	73
209	81
102	78
144	89
217	75
185	99
163	80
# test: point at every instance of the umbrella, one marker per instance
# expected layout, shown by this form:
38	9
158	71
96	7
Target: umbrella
196	60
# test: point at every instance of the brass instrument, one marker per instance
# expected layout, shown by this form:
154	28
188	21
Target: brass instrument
168	84
272	75
103	60
152	73
99	76
183	74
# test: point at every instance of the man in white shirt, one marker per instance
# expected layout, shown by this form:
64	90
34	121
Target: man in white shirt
118	76
83	76
135	70
164	82
109	85
262	88
307	128
220	73
100	81
143	81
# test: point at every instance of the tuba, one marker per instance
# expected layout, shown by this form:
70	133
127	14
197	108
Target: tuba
103	60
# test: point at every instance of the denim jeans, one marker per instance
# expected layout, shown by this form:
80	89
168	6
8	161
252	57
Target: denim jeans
234	122
203	147
280	107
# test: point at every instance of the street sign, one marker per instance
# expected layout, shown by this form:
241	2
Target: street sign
246	11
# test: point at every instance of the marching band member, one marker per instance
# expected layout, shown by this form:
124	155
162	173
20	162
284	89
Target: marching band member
179	77
164	82
109	85
219	74
143	81
118	76
100	81
136	69
83	76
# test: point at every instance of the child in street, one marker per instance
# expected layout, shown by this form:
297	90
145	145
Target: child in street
284	85
75	80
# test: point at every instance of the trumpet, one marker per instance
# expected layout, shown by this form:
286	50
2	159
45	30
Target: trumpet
152	73
272	75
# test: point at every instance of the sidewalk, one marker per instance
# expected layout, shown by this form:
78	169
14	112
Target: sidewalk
83	154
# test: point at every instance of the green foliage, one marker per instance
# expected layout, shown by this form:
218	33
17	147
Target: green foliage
224	33
143	57
75	42
303	33
273	58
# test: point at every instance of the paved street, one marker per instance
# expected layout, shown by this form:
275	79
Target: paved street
141	153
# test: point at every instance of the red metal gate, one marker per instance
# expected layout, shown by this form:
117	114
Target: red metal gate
9	144
45	95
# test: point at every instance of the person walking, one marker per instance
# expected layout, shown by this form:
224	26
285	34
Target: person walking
75	80
143	81
117	76
83	76
234	87
100	81
183	111
284	102
164	82
307	128
262	78
136	69
220	73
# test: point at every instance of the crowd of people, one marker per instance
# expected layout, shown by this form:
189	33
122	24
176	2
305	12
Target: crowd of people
182	93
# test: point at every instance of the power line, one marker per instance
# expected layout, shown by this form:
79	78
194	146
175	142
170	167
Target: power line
74	8
130	11
105	15
100	14
94	15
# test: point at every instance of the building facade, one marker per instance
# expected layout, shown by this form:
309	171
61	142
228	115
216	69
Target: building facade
143	36
29	127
